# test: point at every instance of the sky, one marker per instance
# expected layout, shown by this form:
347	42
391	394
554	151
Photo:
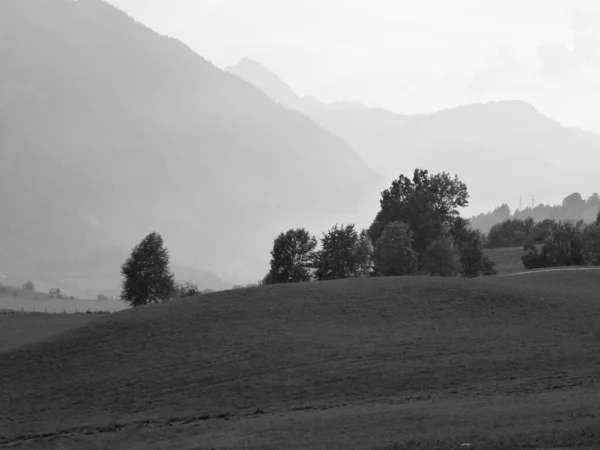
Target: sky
406	56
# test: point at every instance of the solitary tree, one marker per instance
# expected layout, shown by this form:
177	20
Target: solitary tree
29	286
146	274
393	253
292	257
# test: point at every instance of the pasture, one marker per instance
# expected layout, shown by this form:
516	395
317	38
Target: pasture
16	299
17	330
508	260
378	363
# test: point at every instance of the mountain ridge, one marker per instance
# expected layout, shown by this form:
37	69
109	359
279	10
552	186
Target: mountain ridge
463	140
138	132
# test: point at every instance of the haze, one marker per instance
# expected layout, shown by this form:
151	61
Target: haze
221	124
405	56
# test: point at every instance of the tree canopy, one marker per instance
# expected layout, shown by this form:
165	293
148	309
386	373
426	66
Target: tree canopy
292	257
424	202
147	277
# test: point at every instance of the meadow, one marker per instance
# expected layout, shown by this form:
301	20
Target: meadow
508	260
21	300
376	363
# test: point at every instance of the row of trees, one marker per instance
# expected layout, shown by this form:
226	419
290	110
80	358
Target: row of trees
564	243
573	207
521	232
418	230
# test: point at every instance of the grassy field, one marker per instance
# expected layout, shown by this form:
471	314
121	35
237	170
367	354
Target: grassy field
389	363
508	260
17	330
16	299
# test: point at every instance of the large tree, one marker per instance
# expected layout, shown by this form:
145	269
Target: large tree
292	257
147	277
425	202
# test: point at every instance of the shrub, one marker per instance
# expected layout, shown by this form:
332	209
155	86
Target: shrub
184	289
441	258
393	253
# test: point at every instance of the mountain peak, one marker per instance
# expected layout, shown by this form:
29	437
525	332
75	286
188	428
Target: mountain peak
266	80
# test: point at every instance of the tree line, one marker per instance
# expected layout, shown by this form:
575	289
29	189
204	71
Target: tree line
573	207
550	243
418	231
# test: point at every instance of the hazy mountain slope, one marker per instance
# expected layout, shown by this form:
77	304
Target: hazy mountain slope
124	131
501	149
268	82
589	136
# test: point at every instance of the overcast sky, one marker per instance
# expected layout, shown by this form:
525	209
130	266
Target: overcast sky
408	56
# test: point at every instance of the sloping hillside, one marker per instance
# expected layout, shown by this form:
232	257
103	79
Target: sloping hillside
351	353
109	130
500	149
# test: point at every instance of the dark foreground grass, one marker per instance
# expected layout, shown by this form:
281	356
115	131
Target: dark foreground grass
17	330
397	362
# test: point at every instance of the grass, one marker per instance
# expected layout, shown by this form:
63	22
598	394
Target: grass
508	260
17	330
390	363
12	298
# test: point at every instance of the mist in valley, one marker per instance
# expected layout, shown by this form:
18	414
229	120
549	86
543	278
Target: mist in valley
222	124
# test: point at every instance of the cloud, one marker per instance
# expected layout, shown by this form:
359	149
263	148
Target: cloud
559	61
500	71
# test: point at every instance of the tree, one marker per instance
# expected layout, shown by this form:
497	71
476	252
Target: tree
364	254
393	253
147	277
292	257
426	203
184	289
591	244
29	286
338	257
597	222
441	258
472	260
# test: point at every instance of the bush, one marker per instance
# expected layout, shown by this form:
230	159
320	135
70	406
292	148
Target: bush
29	286
394	255
441	258
184	289
472	260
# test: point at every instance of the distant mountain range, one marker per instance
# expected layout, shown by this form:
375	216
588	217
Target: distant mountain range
500	149
109	130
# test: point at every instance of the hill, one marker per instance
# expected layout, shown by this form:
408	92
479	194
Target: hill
344	364
109	130
500	149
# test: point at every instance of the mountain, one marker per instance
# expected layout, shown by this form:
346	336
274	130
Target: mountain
268	82
109	130
500	149
586	135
